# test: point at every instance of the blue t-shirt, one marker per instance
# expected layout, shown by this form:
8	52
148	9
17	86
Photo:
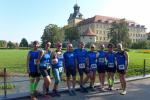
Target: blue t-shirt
110	59
69	58
101	58
45	60
60	60
121	59
91	55
80	55
32	61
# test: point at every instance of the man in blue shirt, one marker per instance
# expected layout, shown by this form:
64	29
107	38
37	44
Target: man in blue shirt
81	63
70	68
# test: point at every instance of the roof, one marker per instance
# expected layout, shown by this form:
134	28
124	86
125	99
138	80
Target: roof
99	18
88	32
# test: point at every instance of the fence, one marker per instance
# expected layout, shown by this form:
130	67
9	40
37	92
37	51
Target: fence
14	82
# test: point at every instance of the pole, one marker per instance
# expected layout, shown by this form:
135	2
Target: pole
144	68
5	90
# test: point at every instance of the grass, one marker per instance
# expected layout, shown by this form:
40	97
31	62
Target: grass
15	61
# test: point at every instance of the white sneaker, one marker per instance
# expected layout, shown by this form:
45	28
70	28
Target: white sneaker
123	92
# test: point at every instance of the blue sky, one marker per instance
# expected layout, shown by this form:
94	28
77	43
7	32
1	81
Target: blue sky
28	18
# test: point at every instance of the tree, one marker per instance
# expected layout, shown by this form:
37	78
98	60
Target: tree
11	45
119	33
3	43
71	34
141	45
23	43
52	33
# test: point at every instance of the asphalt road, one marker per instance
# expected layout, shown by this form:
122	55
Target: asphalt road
136	90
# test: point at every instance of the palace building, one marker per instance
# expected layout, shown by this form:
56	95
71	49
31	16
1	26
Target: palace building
96	29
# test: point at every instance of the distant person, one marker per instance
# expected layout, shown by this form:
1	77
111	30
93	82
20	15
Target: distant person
111	66
45	66
81	53
32	68
122	66
57	67
92	64
70	68
101	65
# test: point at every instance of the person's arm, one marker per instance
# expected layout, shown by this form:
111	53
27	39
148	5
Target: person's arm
76	64
127	60
27	63
40	57
64	63
97	55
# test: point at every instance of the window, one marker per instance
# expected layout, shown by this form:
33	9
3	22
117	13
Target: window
97	38
100	38
97	31
104	38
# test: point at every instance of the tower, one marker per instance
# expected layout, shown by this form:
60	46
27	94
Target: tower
75	17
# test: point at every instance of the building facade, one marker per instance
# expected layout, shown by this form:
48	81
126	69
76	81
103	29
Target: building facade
99	26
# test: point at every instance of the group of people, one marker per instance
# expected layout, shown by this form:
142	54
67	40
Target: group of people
40	62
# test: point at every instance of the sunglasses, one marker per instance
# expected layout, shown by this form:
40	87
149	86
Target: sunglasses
92	47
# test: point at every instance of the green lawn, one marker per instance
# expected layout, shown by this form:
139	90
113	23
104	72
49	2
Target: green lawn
15	61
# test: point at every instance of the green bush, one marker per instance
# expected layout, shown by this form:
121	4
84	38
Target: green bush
126	49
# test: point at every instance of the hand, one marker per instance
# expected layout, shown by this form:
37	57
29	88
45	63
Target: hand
37	61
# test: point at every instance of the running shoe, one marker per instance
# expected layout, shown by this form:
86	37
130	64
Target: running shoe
70	93
74	92
57	93
33	98
123	92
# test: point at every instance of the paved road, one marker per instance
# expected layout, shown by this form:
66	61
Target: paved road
137	90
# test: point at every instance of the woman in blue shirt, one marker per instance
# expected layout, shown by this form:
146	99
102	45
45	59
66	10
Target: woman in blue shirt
57	67
44	58
111	66
33	68
70	68
92	64
101	65
122	66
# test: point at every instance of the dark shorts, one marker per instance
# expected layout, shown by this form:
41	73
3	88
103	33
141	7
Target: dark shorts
112	70
101	68
70	71
82	71
34	75
121	71
45	72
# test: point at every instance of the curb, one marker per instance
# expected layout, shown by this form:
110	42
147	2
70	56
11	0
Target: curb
64	90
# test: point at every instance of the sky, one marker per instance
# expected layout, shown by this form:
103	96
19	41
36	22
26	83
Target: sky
28	18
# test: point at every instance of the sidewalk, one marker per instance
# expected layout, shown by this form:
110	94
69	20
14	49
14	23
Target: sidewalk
137	90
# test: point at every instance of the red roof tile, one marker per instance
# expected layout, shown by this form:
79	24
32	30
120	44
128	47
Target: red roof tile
99	18
88	32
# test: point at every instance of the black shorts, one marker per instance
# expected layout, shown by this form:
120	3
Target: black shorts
101	69
34	74
45	72
70	71
121	71
81	71
113	70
